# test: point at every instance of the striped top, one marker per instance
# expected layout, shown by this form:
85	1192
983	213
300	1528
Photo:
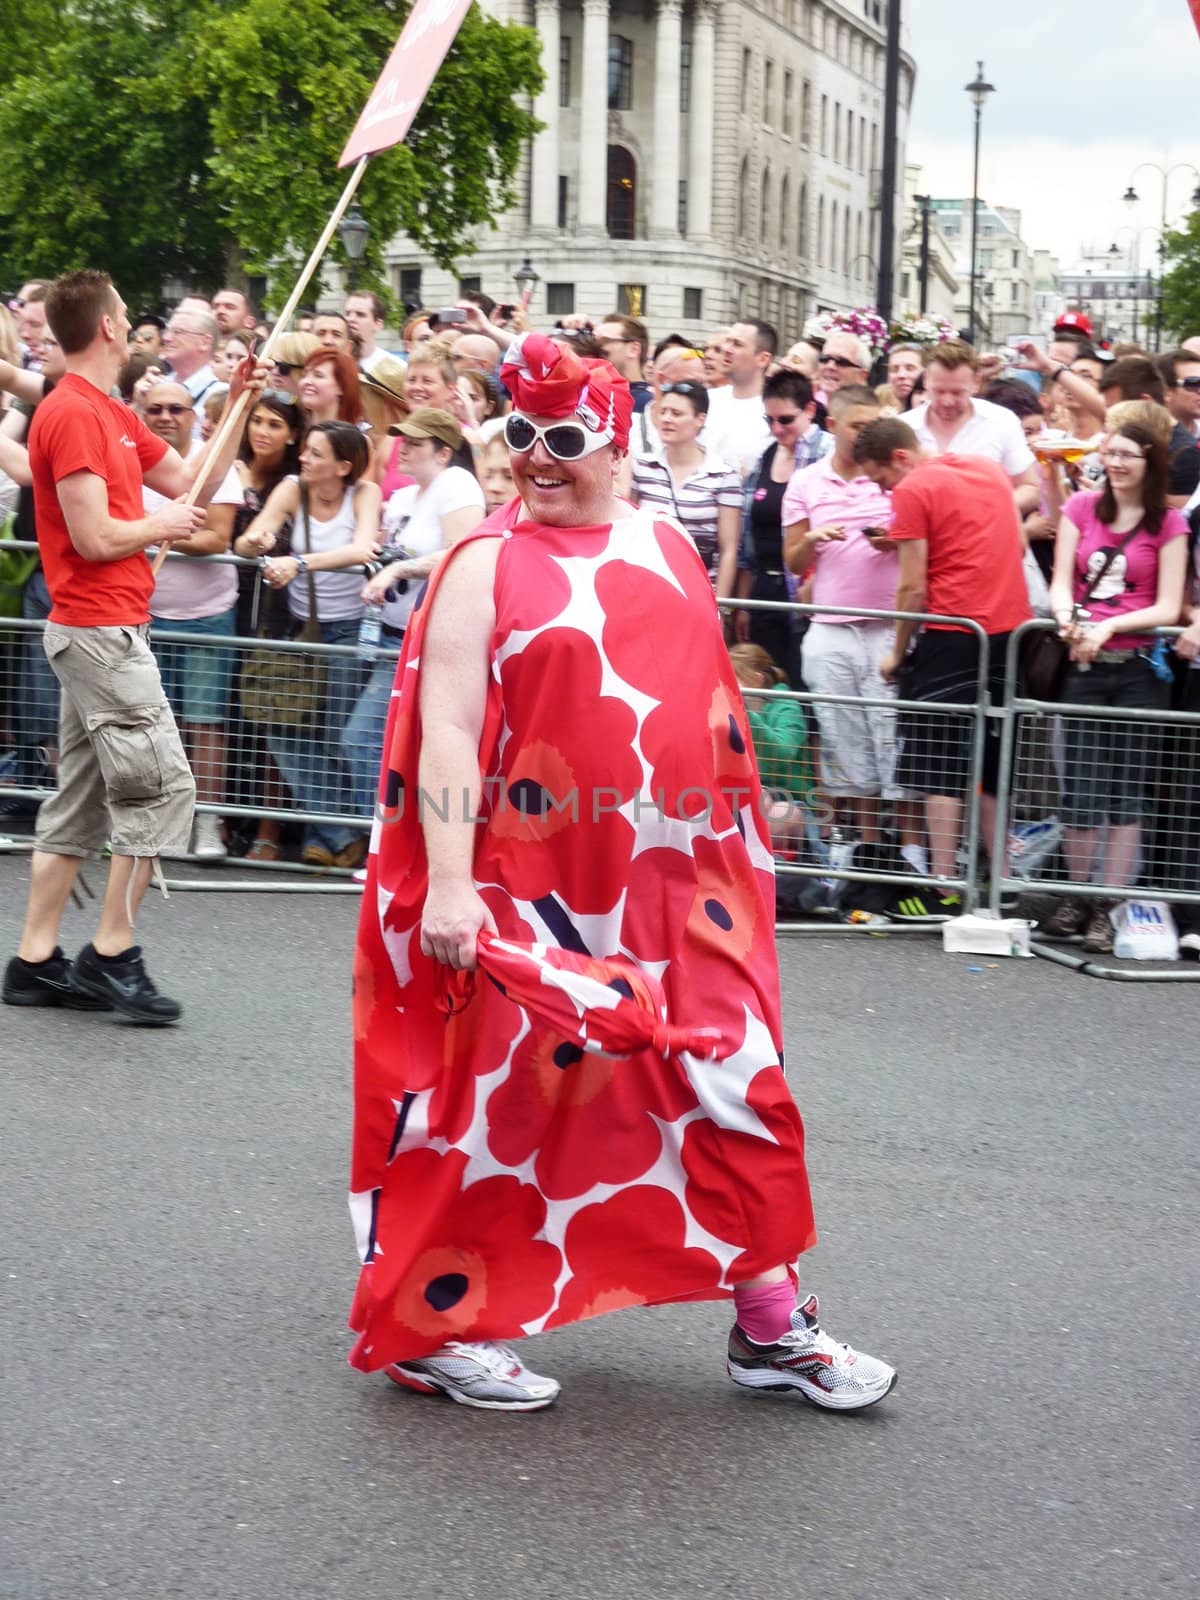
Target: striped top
693	503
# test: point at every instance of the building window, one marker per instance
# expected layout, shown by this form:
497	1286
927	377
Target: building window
837	130
849	138
1016	259
1016	294
823	144
620	74
743	185
746	67
846	257
985	260
785	200
631	300
563	191
821	230
789	92
560	299
768	92
622	194
564	70
410	288
471	285
806	112
833	237
802	223
681	218
764	207
685	76
862	144
693	305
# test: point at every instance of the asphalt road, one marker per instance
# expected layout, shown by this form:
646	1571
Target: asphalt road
1005	1177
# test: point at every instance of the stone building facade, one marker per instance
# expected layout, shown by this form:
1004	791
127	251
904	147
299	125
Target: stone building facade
701	159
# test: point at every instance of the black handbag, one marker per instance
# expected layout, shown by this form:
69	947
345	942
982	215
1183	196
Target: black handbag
286	688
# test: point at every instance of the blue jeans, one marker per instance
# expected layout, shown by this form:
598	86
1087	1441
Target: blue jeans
310	756
362	742
36	709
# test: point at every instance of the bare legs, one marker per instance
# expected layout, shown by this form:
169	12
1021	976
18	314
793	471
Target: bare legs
52	878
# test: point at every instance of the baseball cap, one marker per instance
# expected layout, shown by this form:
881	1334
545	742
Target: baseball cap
428	422
1075	319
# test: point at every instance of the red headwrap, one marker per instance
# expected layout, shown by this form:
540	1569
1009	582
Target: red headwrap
546	380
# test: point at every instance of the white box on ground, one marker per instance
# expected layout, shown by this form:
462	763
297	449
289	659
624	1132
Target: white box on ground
982	933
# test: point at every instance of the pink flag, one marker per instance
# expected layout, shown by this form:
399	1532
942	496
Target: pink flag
404	81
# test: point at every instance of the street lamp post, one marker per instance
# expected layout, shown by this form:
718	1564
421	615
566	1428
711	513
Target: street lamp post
979	91
354	230
1131	198
924	201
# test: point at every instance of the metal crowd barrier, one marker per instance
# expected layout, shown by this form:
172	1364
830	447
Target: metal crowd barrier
1069	769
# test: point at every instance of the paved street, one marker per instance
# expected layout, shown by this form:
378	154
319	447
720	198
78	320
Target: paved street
1004	1171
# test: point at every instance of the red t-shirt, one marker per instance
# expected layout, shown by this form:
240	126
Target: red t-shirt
963	507
77	428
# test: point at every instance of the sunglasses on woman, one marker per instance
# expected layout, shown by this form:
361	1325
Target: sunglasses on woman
286	368
566	441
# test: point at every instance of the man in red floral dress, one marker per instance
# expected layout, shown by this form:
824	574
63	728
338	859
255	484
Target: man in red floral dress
567	764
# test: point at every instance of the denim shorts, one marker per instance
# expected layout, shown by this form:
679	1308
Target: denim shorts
196	679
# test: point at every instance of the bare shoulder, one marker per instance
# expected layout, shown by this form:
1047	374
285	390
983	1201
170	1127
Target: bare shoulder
463	604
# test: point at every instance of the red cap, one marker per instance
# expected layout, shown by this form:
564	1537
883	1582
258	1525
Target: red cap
1076	320
547	380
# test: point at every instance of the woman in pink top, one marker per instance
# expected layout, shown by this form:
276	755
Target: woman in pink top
1131	549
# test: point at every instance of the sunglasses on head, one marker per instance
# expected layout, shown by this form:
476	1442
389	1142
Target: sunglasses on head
174	408
566	441
839	361
686	387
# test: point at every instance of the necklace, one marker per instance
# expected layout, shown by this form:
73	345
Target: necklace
325	505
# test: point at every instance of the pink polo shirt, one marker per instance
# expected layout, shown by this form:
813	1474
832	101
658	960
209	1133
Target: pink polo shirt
849	572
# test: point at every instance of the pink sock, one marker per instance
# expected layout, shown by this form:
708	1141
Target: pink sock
764	1313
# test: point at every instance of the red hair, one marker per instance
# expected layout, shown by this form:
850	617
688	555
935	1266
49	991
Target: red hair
350	406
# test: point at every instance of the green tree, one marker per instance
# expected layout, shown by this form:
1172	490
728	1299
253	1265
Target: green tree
189	139
1181	280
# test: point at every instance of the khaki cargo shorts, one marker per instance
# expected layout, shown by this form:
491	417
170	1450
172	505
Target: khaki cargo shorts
122	773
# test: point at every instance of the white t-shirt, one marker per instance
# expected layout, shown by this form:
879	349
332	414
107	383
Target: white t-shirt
187	590
737	430
413	518
989	431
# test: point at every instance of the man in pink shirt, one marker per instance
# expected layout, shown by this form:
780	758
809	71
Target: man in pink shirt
835	522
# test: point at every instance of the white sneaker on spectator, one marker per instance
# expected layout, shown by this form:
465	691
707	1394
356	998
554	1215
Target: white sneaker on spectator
207	843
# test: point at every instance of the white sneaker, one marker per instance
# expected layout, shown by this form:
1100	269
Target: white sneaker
207	843
1189	943
487	1375
829	1374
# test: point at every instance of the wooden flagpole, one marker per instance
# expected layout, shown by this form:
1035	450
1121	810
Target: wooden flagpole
233	417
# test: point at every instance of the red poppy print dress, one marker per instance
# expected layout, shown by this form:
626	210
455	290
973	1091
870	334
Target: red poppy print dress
503	1179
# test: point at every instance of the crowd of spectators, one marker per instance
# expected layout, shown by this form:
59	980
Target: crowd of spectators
937	480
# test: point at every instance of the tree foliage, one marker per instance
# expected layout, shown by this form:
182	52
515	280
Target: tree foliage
187	139
1181	281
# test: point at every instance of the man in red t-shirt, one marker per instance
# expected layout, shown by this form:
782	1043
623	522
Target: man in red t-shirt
961	551
122	773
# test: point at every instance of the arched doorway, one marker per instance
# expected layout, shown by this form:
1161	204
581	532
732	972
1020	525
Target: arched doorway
622	193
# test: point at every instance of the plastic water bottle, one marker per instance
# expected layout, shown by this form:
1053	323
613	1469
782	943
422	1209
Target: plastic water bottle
370	632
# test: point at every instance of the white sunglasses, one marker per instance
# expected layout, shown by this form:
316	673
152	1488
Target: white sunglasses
566	441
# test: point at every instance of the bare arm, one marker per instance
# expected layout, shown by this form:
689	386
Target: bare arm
729	522
213	538
455	526
14	459
368	504
801	543
98	536
910	596
27	386
1062	579
1164	613
455	672
1027	490
260	536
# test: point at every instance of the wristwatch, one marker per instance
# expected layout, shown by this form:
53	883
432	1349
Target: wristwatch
301	564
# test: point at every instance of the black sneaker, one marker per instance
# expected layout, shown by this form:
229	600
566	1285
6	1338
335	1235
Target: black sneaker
47	983
125	984
925	906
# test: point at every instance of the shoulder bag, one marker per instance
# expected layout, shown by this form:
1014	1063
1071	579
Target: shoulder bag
286	688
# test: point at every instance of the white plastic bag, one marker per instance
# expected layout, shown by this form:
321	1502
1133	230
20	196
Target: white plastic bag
1145	931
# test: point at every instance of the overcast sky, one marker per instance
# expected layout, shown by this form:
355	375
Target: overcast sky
1084	92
